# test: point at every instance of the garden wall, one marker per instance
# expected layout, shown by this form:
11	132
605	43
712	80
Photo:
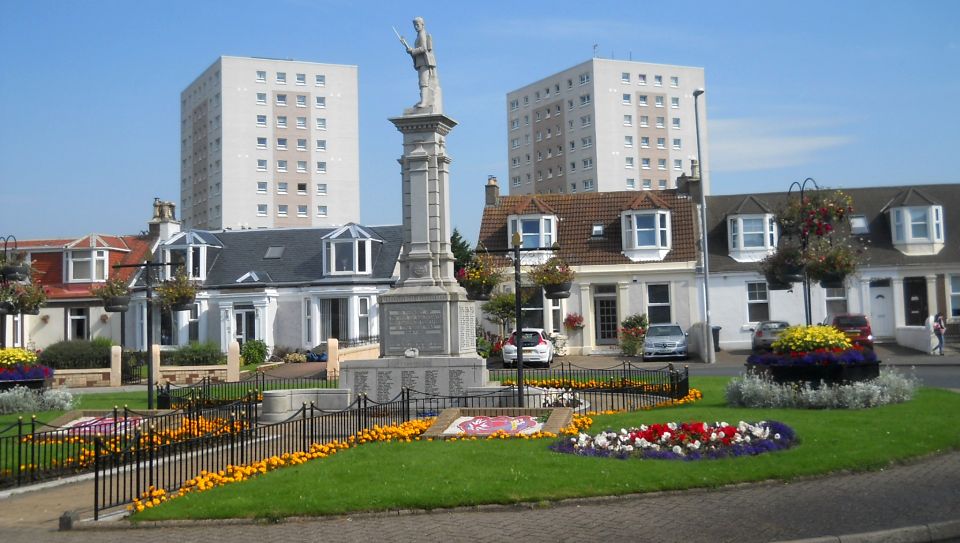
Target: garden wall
916	337
91	377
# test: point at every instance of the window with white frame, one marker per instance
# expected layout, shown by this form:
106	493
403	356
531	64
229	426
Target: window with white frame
660	122
587	163
662	184
645	141
658	304
646	229
626	100
676	122
261	98
281	99
917	224
573	187
624	77
302	166
644	121
586	142
78	325
307	322
261	76
301	144
282	144
321	123
584	100
302	188
261	120
281	165
641	79
628	141
301	100
321	167
628	162
658	81
261	210
261	143
301	79
301	211
301	122
661	143
628	120
658	101
758	305
261	187
751	237
321	211
676	143
661	164
677	164
587	185
631	183
321	145
514	105
836	299
363	317
642	99
586	120
282	210
261	164
281	121
282	187
321	189
347	256
535	230
647	184
675	102
674	81
645	163
84	266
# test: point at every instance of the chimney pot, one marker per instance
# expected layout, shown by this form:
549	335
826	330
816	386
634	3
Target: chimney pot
492	192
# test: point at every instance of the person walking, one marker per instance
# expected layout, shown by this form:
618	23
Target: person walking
939	328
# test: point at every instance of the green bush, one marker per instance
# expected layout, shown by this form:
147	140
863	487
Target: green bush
194	354
24	400
77	354
633	330
254	351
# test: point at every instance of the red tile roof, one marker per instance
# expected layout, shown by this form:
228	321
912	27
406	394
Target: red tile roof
47	259
577	213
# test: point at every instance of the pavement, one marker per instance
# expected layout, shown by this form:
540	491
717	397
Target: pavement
915	501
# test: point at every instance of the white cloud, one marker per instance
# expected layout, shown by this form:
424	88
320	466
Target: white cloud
739	145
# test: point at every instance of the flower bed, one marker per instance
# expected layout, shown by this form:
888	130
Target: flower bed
18	367
685	441
815	355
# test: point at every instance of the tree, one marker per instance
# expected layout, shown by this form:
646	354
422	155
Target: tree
500	310
461	251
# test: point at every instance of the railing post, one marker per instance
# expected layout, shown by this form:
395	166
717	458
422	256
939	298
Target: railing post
233	441
34	449
19	450
96	479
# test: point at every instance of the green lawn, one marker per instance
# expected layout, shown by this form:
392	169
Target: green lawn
428	475
106	400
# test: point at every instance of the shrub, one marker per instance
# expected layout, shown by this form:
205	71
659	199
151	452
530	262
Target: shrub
280	352
633	330
552	272
254	351
194	354
803	339
15	355
753	391
25	400
295	358
77	354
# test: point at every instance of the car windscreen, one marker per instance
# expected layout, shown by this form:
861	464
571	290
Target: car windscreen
530	338
851	322
774	326
655	331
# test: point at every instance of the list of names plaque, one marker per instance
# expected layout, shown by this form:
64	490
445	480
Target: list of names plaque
410	379
414	325
431	382
456	382
361	382
384	384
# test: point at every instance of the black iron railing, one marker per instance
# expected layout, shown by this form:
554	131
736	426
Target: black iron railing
125	473
33	451
210	392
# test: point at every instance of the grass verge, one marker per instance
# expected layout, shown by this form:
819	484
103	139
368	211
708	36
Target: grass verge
387	476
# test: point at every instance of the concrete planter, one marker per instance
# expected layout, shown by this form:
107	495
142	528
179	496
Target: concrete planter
831	374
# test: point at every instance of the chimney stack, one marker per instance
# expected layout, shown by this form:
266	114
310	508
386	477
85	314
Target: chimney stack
492	192
164	224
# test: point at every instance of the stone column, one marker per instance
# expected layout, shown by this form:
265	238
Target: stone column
226	325
233	362
899	317
588	332
933	306
116	357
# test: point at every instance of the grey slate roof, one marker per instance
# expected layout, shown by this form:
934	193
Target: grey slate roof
870	202
301	263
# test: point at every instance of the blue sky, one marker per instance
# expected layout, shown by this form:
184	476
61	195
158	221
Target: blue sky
850	93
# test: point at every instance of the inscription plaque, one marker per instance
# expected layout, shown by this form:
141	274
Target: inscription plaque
431	383
410	379
361	383
384	384
456	382
414	325
468	328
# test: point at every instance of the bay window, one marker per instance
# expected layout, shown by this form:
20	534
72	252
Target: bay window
751	237
535	230
84	266
646	234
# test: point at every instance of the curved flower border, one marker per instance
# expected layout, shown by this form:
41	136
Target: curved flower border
685	441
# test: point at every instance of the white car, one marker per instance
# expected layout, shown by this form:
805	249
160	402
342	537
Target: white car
537	348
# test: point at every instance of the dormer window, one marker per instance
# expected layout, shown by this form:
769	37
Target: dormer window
751	237
646	234
917	230
535	230
87	266
188	254
347	250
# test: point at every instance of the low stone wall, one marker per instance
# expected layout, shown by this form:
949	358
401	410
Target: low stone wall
186	375
916	337
96	377
360	352
279	405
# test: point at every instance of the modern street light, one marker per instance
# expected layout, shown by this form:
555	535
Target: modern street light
711	356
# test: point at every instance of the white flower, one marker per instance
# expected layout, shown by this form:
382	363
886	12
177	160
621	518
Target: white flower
665	437
695	445
714	436
776	436
672	425
654	446
677	449
627	448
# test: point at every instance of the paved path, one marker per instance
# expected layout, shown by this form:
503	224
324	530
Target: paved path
922	492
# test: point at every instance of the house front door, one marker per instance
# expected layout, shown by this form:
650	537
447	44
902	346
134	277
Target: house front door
915	300
245	321
881	308
605	310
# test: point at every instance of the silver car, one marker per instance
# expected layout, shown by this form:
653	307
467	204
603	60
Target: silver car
665	341
765	333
